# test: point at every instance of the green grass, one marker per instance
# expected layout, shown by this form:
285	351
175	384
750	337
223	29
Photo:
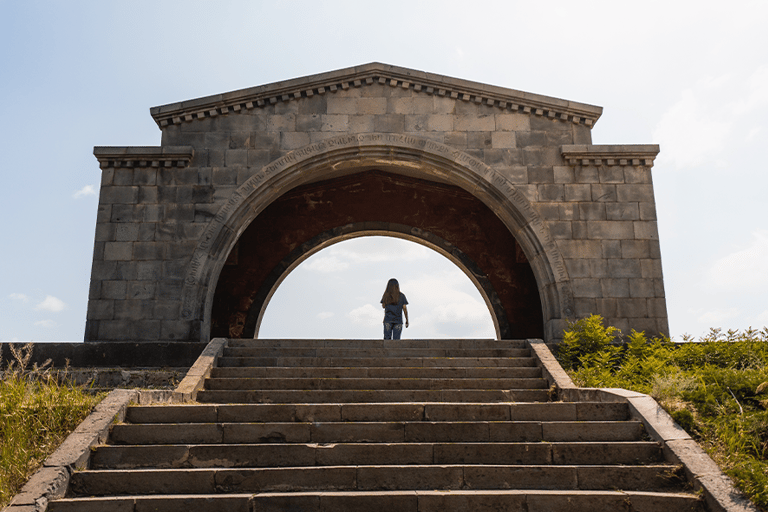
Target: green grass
715	388
37	412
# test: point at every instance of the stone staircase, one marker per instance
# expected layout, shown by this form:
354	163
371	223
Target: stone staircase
410	425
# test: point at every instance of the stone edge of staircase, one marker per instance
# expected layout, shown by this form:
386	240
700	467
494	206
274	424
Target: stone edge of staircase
52	480
679	448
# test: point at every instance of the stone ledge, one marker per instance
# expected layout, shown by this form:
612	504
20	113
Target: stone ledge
143	156
194	381
550	368
110	354
368	74
622	155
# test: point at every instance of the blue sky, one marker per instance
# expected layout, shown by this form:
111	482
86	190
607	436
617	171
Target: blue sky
690	76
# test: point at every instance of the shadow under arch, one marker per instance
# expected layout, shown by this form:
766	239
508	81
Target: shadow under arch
362	229
402	154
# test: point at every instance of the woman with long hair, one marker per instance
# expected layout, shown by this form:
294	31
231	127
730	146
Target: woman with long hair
394	303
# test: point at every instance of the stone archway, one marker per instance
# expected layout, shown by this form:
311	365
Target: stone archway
400	154
583	215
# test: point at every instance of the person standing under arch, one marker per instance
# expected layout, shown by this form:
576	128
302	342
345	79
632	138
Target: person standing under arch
394	304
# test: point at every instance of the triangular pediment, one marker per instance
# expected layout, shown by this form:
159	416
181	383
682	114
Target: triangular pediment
369	74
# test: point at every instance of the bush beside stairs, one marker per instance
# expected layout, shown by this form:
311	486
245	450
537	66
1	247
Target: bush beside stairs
374	425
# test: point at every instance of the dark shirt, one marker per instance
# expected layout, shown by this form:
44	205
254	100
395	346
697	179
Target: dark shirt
393	313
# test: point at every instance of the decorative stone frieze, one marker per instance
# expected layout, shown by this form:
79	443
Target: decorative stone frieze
504	99
582	154
146	156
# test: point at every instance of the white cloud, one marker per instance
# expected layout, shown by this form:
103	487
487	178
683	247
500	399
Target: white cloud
756	95
718	316
46	323
712	117
368	315
372	250
742	269
690	132
447	304
51	303
19	296
325	314
340	257
88	190
325	264
762	319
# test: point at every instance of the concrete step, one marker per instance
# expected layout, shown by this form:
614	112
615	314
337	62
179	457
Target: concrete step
370	383
387	352
376	432
378	343
413	411
371	478
315	454
389	501
376	373
367	362
367	396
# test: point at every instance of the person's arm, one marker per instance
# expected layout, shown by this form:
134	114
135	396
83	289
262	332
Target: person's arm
405	310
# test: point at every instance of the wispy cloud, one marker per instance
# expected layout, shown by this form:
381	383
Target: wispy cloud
46	323
52	304
88	190
744	268
325	264
341	257
716	317
688	122
721	111
368	315
762	319
19	297
325	315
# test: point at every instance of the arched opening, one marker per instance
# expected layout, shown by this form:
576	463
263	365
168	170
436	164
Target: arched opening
206	299
313	216
334	294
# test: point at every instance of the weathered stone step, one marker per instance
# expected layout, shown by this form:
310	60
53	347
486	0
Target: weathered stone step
368	396
357	362
479	501
388	352
314	454
155	503
389	501
371	478
378	343
411	411
376	373
376	432
369	383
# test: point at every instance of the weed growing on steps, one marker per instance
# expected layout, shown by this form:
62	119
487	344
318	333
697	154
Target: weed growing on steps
716	388
37	412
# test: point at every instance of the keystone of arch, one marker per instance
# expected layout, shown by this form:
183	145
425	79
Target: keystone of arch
402	153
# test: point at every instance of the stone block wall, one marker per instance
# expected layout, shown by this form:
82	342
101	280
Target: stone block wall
157	203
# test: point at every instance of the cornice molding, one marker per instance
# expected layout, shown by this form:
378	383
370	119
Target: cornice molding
588	154
143	156
368	74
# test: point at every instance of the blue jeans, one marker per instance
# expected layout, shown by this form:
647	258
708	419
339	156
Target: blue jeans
392	331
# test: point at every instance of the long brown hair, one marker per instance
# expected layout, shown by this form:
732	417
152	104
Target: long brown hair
392	293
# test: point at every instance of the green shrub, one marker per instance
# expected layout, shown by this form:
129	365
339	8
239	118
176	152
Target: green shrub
37	412
716	389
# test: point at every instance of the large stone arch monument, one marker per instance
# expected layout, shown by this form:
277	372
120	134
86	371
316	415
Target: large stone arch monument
194	236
